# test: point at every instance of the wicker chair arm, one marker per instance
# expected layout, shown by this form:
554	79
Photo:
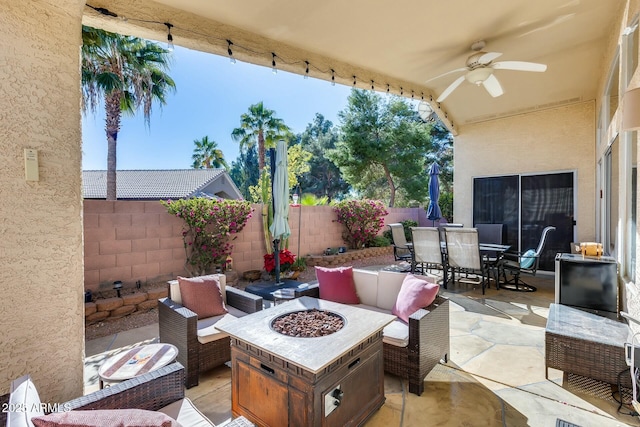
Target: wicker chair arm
179	326
179	309
150	391
243	301
423	313
429	331
313	290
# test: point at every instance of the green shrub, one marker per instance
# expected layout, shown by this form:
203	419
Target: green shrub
446	205
309	199
406	224
300	264
380	242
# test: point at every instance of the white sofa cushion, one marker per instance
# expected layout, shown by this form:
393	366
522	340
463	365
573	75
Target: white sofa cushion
366	282
207	328
24	403
186	414
389	284
396	333
174	288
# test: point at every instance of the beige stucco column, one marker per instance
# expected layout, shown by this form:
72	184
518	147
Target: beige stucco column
41	262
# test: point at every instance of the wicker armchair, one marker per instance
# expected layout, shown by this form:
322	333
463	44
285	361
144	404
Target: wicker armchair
151	391
428	343
178	326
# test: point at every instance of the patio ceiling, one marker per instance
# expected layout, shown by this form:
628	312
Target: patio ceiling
407	42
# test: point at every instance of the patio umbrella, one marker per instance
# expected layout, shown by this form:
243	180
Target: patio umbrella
433	211
280	194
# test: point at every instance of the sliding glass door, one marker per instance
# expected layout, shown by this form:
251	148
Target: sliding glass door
496	200
526	204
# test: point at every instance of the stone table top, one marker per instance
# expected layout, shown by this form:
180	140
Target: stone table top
575	323
312	354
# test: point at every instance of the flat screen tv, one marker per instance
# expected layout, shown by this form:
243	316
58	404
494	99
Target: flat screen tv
588	283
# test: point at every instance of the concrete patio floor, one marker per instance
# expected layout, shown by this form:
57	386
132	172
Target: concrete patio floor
495	375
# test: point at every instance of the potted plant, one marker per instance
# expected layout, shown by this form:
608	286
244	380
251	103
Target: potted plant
287	259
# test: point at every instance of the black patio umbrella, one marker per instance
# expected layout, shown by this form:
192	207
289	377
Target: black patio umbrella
433	211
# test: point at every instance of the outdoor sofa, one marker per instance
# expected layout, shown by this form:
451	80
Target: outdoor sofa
200	345
161	390
413	349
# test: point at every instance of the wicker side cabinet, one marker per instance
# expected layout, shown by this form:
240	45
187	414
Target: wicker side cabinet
586	344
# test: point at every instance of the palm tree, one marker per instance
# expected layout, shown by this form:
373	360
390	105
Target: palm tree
207	155
128	73
259	125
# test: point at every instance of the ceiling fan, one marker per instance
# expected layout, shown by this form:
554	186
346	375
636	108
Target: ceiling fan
480	67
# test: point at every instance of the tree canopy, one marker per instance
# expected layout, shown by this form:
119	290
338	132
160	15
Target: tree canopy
126	72
244	171
382	151
207	155
259	126
323	178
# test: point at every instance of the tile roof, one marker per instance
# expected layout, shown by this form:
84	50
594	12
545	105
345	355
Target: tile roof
150	184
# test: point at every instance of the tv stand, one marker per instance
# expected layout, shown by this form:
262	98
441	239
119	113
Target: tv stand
583	343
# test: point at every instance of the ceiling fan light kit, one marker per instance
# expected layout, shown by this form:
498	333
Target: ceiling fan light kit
478	75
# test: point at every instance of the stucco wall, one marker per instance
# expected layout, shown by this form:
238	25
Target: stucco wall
41	222
559	139
136	240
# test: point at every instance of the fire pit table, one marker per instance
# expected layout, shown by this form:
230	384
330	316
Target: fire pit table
328	380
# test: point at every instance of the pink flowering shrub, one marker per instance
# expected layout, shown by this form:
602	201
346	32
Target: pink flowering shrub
208	230
362	220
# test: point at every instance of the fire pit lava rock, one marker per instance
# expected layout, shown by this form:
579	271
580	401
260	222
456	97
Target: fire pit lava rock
308	323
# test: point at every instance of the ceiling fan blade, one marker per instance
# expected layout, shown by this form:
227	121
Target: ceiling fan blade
519	66
457	70
450	89
492	85
488	57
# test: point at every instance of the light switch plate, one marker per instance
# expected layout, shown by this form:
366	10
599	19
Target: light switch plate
31	164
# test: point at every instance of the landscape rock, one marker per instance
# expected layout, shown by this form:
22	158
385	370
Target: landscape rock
96	317
122	311
157	293
147	305
109	304
89	308
133	299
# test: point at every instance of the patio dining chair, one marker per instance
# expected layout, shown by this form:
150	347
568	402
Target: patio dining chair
401	249
463	255
492	234
518	263
427	251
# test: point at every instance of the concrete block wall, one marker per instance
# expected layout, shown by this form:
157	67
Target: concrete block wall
130	241
139	240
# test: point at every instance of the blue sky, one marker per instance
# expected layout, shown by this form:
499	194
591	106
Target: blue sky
211	96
